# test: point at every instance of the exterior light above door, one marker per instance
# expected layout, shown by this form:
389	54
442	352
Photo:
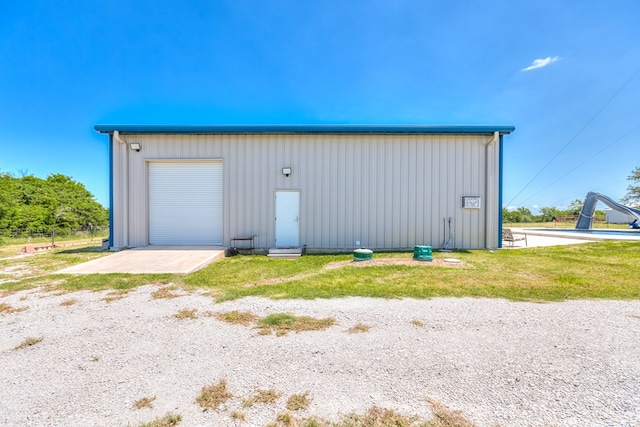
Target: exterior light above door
286	171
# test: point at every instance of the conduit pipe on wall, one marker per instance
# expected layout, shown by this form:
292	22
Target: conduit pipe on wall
489	196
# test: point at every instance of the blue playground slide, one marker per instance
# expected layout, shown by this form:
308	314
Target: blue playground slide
585	220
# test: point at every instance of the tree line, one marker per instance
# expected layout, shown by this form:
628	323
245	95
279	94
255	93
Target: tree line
548	214
29	203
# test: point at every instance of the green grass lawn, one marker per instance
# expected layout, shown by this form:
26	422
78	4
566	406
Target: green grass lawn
592	270
607	270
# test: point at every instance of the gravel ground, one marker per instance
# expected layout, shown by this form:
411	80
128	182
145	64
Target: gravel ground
574	363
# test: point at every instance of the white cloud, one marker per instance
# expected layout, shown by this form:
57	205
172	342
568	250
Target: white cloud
539	63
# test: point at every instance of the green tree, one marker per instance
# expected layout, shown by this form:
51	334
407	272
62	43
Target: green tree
510	216
32	203
526	214
548	214
520	214
8	199
633	190
575	207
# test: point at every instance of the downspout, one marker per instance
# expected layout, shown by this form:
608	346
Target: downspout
124	190
116	137
489	179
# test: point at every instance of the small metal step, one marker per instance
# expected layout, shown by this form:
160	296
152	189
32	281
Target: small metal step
284	256
285	253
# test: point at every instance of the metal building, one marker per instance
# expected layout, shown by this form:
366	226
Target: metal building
323	187
617	217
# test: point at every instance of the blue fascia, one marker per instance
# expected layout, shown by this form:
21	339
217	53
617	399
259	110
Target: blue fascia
305	129
500	177
110	191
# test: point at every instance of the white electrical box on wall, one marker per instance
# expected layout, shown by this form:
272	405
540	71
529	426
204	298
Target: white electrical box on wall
471	202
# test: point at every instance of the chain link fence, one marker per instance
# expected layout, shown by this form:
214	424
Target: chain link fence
24	233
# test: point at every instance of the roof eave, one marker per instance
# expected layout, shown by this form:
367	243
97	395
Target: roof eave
304	129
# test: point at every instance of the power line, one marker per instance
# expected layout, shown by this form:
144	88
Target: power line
583	162
598	189
588	122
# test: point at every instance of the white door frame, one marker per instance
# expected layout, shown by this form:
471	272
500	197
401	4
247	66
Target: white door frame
287	218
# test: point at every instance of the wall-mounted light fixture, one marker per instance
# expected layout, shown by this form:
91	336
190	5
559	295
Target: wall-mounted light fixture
286	171
135	146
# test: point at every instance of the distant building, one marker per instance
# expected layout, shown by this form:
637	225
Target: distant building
616	217
324	187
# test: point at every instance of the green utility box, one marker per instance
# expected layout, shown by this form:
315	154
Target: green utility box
422	253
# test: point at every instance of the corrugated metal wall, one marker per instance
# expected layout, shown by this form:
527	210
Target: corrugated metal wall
386	191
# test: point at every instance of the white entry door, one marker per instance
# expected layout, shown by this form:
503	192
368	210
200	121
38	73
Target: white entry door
287	219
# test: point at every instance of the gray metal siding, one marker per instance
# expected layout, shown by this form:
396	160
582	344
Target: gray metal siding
386	191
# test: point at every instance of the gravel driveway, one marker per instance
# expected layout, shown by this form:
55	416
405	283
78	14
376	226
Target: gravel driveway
574	363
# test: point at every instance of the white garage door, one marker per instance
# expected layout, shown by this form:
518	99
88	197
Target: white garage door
185	203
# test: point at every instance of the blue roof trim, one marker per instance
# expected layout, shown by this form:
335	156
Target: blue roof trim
302	129
111	222
500	182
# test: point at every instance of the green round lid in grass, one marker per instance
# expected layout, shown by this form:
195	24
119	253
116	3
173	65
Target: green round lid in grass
362	255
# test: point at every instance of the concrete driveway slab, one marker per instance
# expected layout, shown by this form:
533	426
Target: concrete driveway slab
151	259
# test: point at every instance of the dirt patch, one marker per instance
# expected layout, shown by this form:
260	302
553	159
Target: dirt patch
396	261
16	271
362	264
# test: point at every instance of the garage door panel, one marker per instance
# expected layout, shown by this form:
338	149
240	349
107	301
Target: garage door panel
185	203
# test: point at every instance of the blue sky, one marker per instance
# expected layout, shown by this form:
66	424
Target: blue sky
566	74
